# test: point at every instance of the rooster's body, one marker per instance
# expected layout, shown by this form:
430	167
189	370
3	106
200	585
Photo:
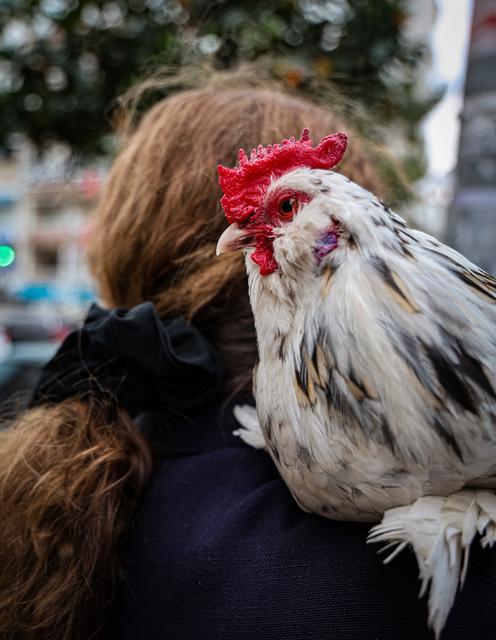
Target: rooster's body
376	384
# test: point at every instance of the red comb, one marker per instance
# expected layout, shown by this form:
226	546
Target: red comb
244	185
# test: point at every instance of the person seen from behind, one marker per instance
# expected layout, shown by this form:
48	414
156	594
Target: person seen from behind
129	508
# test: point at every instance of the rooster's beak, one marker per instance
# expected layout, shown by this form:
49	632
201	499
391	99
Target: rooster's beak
233	239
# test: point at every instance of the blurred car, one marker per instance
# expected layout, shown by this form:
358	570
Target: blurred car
19	373
31	324
29	336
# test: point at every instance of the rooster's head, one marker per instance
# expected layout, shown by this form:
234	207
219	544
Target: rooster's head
265	192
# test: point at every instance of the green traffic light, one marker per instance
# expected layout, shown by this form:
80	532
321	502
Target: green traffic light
7	255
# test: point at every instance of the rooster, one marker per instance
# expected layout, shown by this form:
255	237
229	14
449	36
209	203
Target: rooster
376	383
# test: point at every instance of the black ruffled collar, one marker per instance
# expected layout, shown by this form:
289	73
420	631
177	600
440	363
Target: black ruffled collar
143	361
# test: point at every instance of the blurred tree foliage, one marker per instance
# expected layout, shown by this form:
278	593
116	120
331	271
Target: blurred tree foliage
63	62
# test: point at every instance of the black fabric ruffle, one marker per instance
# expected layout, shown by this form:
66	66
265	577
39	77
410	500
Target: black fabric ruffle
143	361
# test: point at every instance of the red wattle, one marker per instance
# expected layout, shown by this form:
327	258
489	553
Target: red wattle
264	257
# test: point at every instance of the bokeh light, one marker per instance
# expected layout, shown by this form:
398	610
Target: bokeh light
7	255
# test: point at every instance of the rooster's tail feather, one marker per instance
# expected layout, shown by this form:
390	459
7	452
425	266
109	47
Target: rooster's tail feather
440	531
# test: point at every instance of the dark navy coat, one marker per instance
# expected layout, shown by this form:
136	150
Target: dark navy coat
219	550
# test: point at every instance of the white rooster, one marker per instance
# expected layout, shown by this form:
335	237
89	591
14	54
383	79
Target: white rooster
376	384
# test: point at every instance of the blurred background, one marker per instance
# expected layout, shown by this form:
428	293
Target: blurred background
419	77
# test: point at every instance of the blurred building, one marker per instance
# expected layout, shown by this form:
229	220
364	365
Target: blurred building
9	212
45	212
472	228
12	219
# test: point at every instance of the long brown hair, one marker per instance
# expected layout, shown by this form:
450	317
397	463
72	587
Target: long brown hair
71	473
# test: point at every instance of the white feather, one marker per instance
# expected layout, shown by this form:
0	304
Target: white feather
440	532
250	432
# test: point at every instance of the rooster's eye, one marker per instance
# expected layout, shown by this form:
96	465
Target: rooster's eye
288	208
